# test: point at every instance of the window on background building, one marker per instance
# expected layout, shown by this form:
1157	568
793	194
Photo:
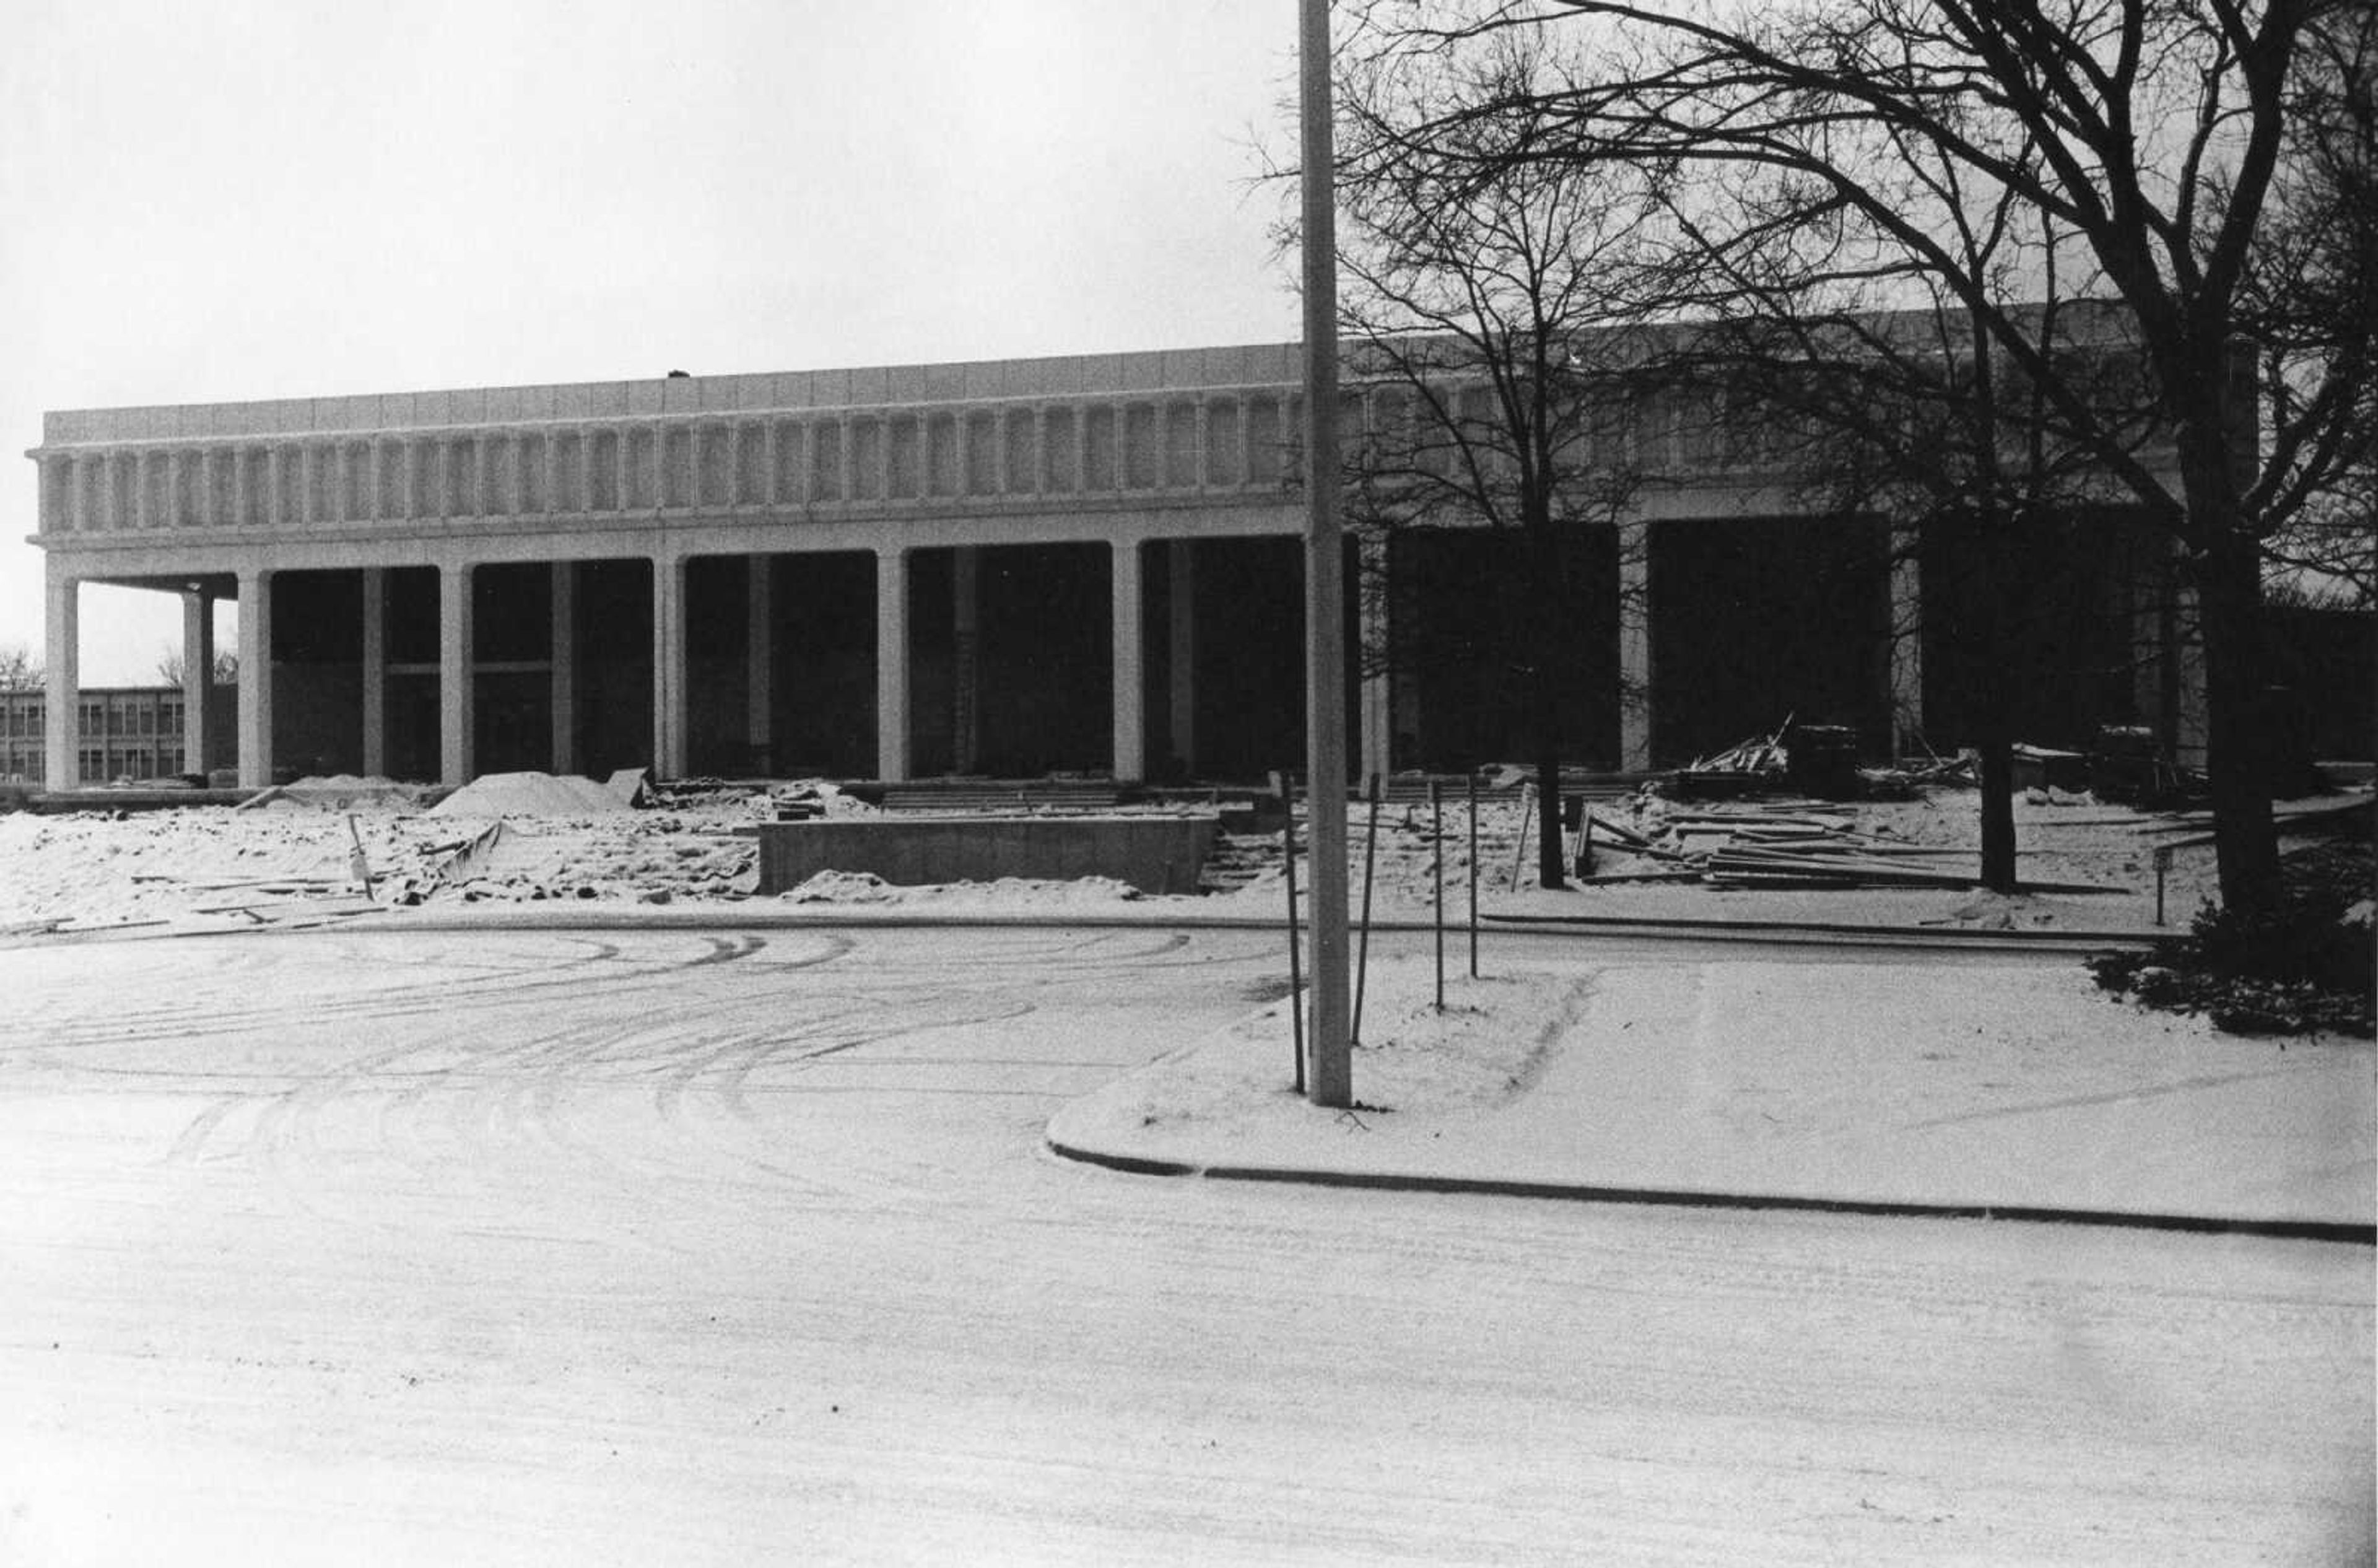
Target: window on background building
94	766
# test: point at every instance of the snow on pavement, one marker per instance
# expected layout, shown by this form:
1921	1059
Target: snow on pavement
2011	1084
491	1247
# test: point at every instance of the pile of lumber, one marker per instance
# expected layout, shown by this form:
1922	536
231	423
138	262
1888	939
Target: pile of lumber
1800	852
1802	846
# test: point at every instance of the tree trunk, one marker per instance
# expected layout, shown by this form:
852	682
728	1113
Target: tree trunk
1551	871
1997	810
1994	728
1541	595
2227	565
2245	840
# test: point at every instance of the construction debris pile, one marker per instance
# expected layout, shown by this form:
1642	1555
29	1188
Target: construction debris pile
1781	845
2124	764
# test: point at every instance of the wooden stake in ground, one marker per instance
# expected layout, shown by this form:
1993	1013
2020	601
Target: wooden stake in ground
1473	875
1437	840
1295	978
1527	814
1362	951
358	863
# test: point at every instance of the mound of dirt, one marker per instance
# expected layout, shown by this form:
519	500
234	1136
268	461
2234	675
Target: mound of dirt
531	794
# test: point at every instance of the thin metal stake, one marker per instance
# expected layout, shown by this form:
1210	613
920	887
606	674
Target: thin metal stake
1436	835
1527	817
1362	951
1473	875
1295	974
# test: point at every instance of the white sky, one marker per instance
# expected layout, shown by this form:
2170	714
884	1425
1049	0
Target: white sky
263	198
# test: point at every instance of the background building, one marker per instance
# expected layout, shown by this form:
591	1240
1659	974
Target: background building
132	732
1015	568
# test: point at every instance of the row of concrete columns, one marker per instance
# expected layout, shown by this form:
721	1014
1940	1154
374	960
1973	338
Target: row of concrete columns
457	664
457	667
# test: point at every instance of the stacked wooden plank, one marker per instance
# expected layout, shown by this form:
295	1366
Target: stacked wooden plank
1807	847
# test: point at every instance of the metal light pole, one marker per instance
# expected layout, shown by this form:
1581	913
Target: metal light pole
1330	1081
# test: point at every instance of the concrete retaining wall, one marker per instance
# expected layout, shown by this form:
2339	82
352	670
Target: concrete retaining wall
1156	854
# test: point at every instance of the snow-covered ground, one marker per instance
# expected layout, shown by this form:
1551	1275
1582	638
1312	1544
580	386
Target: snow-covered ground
2008	1083
411	1237
233	867
538	1247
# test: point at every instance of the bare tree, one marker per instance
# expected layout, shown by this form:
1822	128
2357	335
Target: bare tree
1483	317
2164	140
20	668
171	669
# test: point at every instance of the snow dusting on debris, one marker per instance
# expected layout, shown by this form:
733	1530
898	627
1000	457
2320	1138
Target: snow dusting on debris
1007	893
343	845
531	794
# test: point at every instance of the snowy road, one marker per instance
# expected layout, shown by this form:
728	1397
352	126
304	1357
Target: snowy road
659	1248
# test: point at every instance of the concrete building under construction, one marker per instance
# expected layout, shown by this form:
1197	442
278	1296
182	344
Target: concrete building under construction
1012	568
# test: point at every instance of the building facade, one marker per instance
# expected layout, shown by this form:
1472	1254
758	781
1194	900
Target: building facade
122	733
1010	568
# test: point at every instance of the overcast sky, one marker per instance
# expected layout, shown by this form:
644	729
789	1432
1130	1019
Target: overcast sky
261	199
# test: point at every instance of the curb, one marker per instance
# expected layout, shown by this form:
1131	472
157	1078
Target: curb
2278	1229
663	917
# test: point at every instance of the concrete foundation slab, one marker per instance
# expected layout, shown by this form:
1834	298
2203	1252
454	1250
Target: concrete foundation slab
1156	854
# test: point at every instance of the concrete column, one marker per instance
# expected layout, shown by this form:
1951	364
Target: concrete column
760	655
375	660
242	487
565	666
62	718
668	667
1378	684
1907	649
408	502
965	658
197	677
254	679
457	695
51	473
1130	667
1181	610
891	664
1635	671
